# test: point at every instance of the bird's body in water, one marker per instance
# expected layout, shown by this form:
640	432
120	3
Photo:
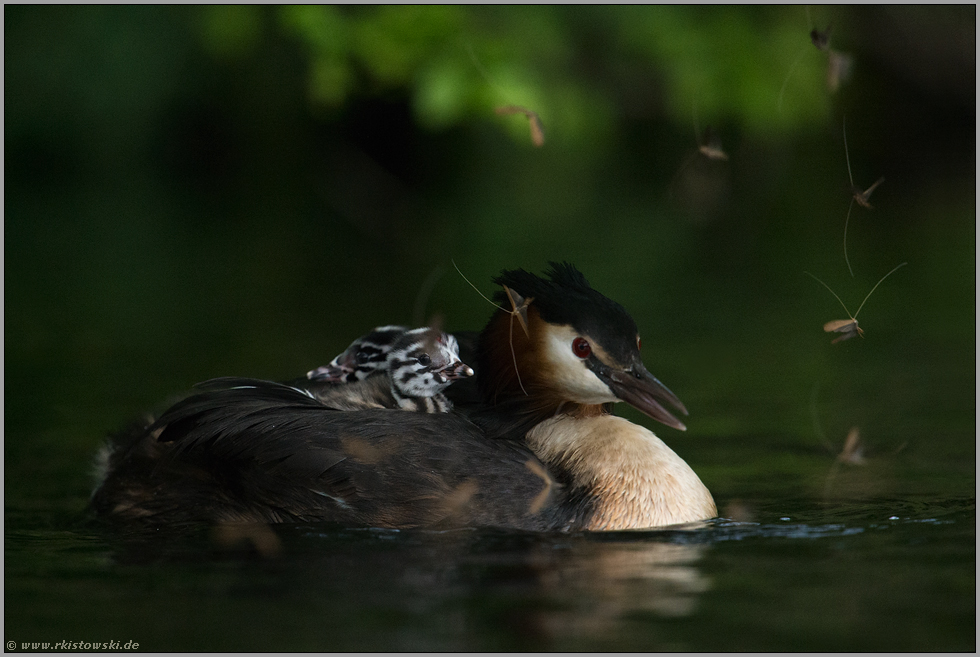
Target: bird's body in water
539	450
391	367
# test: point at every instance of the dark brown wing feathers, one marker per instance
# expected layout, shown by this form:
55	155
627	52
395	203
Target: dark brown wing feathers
262	451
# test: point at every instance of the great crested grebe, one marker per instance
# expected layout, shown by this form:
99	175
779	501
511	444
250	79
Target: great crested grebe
391	367
541	451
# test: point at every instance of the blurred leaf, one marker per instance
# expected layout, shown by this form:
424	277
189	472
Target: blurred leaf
330	81
441	94
322	27
755	68
231	31
393	42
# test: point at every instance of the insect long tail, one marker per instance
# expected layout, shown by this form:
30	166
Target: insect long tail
782	89
876	287
697	126
512	313
846	221
477	289
483	71
817	428
834	293
513	355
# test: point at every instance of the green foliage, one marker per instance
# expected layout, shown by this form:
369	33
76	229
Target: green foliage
749	68
274	179
230	31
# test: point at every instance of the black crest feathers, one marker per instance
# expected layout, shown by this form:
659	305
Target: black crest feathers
566	297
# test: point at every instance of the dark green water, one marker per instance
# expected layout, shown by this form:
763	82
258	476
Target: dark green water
169	219
817	555
882	573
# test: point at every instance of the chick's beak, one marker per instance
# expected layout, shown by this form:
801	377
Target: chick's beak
328	373
457	370
641	390
337	371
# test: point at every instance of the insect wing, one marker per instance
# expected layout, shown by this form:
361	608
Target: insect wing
853	452
840	326
711	148
863	197
820	39
511	109
537	128
838	69
713	152
848	328
519	307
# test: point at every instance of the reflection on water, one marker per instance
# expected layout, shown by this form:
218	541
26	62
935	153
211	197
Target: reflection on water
547	589
602	583
326	587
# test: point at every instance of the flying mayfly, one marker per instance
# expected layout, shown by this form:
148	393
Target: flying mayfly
863	198
848	328
838	64
537	128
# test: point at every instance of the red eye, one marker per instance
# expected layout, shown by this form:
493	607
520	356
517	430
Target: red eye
581	348
639	343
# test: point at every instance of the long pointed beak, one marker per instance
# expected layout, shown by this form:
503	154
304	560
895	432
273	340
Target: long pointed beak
641	390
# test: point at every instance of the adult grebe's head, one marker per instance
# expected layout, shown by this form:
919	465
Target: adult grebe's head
565	344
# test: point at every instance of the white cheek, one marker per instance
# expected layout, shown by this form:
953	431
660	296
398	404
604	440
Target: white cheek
574	379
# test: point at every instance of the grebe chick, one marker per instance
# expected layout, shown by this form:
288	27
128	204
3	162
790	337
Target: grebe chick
418	365
365	356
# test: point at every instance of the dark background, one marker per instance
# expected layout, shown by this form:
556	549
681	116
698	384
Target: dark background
196	191
193	192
